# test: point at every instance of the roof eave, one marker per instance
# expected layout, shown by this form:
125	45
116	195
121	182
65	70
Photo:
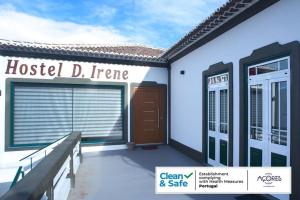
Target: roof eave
83	56
217	31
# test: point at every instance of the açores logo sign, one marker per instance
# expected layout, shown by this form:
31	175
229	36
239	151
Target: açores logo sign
268	179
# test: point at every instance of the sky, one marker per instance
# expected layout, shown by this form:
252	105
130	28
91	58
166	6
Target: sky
155	23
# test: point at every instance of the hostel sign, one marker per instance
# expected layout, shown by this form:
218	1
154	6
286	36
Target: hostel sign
76	70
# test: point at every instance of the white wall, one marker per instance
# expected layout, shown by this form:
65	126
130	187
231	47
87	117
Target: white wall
278	23
136	74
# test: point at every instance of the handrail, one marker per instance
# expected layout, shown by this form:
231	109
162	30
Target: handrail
17	176
44	147
40	179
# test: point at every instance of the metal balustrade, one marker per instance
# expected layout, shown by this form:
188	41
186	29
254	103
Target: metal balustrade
30	161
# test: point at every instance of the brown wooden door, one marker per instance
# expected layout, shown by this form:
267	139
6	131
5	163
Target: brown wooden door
149	110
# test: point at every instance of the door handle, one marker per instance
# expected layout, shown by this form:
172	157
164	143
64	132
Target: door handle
158	118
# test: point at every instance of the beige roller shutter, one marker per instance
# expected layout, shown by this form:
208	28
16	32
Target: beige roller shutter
41	114
44	113
97	112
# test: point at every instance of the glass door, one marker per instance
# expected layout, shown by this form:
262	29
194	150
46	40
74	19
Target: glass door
269	114
218	108
257	139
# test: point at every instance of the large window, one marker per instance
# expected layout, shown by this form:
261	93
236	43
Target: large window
43	113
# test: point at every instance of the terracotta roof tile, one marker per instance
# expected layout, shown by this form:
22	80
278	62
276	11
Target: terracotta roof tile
126	52
219	17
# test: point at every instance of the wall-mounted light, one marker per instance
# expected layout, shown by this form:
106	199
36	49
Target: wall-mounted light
182	72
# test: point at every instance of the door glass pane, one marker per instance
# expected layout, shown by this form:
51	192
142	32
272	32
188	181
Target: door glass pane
256	133
275	137
271	67
268	68
283	105
283	138
252	71
256	112
259	102
253	105
283	64
224	111
212	111
279	112
274	106
283	112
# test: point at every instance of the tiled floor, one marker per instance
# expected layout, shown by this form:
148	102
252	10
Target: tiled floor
129	175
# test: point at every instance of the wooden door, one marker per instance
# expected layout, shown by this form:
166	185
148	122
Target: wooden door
149	110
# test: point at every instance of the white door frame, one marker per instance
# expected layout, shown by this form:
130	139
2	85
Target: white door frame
265	80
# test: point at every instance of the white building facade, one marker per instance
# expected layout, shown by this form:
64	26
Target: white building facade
234	92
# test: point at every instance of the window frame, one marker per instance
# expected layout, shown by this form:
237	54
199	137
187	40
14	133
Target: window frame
62	82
